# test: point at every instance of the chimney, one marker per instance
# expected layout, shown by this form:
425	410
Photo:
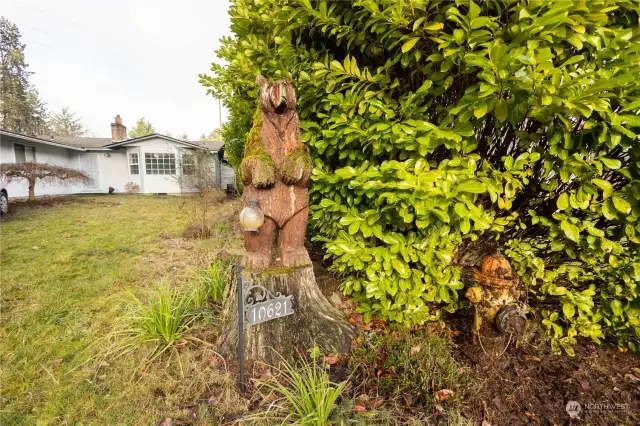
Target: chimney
118	131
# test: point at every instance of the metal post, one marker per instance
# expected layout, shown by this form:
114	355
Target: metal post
240	323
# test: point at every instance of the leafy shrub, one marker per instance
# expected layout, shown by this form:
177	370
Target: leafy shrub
440	126
305	394
412	366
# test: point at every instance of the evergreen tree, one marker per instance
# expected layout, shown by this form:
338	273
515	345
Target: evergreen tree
142	128
20	106
65	123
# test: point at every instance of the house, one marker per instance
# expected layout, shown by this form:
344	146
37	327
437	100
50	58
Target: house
155	163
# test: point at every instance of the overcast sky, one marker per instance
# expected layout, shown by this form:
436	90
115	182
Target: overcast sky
136	58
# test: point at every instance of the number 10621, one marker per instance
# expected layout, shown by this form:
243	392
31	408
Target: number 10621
271	309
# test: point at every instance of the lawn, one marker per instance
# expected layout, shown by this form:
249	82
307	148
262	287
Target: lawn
73	270
69	274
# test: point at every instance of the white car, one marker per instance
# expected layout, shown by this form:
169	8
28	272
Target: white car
4	198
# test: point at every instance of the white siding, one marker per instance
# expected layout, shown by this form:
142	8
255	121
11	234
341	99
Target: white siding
113	170
137	179
227	176
153	184
44	154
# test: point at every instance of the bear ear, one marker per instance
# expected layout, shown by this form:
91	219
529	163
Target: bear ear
260	80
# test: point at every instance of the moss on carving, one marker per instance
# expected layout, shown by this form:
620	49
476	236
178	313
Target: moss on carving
255	144
296	166
257	168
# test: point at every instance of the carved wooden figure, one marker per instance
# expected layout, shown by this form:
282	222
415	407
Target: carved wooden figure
276	171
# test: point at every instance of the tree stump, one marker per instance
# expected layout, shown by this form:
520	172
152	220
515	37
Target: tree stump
275	173
315	321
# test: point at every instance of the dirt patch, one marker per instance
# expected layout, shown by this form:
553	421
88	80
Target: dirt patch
530	385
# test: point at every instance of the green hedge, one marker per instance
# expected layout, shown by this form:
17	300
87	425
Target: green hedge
439	126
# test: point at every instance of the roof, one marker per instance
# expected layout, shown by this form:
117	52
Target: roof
40	139
156	135
214	146
83	142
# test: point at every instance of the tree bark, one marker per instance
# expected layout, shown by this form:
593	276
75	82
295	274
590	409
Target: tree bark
315	321
32	190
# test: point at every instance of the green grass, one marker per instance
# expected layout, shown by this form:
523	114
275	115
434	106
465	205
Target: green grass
67	273
303	393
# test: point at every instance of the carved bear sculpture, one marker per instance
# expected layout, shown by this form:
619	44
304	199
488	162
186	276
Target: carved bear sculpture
276	170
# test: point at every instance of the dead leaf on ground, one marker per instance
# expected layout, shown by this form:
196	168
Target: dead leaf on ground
212	400
56	362
444	394
215	361
461	371
182	343
363	398
359	409
331	359
486	423
568	380
532	358
414	350
377	402
631	377
166	422
408	399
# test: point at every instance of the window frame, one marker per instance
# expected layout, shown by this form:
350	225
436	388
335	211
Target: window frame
160	163
135	164
188	166
24	150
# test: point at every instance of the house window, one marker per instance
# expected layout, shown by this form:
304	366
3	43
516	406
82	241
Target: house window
160	163
24	153
134	167
188	166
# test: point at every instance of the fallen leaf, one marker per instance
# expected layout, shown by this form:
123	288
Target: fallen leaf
408	398
363	398
584	385
631	377
566	380
331	359
531	358
444	394
414	350
379	373
376	402
266	375
531	415
56	362
215	361
181	343
461	370
359	409
212	400
486	423
166	422
439	408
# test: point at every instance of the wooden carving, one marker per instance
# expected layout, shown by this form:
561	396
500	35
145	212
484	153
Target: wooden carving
276	171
